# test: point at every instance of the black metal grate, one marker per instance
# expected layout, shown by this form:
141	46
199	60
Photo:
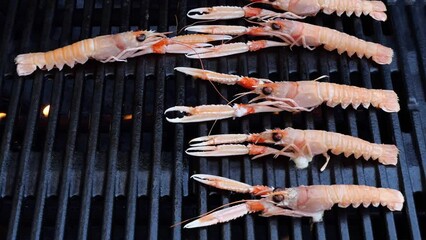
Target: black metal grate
88	172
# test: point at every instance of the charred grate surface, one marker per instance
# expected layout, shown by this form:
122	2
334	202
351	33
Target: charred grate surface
106	164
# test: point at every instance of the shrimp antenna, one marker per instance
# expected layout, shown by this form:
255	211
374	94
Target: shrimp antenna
202	67
193	49
236	36
250	21
286	38
248	5
211	129
217	90
240	95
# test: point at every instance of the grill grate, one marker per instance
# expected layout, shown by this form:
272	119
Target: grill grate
88	172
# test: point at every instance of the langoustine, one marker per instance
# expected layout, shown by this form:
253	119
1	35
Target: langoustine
295	9
303	201
375	9
296	33
282	96
109	48
299	145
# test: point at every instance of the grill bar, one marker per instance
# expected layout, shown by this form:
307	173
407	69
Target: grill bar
13	105
7	35
178	179
246	165
71	140
26	147
23	170
224	164
47	158
69	158
114	141
410	208
49	144
108	208
136	137
416	10
158	132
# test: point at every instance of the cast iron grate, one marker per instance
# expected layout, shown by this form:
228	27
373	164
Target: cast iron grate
87	171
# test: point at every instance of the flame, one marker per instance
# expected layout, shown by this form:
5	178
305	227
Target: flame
128	117
2	115
46	111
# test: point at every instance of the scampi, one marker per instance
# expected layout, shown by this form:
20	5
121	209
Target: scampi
110	48
295	33
303	201
281	96
299	145
294	9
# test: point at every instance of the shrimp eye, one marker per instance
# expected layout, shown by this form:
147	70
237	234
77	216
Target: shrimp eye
275	26
267	90
141	37
278	197
271	0
277	137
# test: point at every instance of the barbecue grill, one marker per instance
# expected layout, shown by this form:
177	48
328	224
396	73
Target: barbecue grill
102	162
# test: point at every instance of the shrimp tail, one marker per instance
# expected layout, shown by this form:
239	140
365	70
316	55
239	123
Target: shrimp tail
356	195
311	36
389	155
389	101
348	145
24	64
376	9
342	42
335	94
379	9
383	55
77	52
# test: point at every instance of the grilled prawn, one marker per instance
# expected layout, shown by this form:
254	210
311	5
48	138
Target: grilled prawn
296	33
303	95
282	96
303	201
109	48
299	145
375	9
295	9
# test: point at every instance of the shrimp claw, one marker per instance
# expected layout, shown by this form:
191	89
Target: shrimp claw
201	113
218	139
233	212
217	112
218	29
218	151
228	79
232	12
233	48
231	185
233	150
213	13
225	215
